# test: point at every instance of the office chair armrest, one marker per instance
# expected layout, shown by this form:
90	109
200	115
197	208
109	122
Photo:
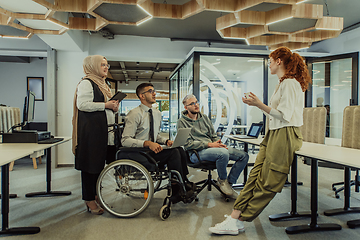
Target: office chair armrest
192	151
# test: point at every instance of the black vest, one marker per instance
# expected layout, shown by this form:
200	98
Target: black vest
92	137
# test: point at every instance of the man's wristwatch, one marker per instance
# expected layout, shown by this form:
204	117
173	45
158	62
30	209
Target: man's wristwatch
166	141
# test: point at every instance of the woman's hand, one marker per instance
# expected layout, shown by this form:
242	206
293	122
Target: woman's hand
252	100
113	105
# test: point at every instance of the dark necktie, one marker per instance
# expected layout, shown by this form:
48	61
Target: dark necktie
151	133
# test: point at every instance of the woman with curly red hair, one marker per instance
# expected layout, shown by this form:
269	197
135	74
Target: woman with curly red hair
272	165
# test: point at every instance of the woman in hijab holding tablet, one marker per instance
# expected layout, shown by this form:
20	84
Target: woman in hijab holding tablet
93	112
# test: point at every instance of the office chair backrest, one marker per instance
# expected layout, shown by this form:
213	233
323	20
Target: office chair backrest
313	129
351	127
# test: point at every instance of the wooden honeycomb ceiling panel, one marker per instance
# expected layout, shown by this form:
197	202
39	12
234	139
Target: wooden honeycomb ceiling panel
240	23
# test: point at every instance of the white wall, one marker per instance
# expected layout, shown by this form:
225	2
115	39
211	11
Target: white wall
13	85
69	74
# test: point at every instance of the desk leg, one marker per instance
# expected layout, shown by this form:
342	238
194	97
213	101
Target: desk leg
313	226
293	213
346	208
245	171
48	192
5	208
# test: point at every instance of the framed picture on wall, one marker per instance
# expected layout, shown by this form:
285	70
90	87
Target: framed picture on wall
36	85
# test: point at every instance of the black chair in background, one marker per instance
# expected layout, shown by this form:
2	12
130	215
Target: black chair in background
205	166
354	182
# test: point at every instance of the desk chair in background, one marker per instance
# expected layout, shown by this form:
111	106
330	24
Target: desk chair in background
314	126
351	139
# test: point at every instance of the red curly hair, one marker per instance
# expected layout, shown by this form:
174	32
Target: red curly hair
294	66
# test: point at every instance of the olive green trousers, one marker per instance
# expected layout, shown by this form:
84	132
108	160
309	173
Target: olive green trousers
270	171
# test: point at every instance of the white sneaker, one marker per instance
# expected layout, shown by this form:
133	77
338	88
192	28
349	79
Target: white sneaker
239	224
228	226
225	187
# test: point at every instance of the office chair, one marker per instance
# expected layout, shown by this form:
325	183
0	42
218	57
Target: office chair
354	182
350	139
205	166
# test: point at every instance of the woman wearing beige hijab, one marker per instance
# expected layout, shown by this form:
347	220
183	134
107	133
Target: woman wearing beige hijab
93	112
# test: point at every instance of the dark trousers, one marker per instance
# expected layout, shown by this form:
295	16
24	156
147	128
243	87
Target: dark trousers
89	180
174	158
88	184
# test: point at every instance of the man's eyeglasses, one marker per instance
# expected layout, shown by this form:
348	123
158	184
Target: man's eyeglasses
151	91
193	104
105	65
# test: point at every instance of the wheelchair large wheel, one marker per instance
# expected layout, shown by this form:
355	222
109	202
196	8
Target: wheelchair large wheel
125	188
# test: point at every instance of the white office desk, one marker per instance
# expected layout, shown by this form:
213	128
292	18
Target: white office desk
11	152
347	157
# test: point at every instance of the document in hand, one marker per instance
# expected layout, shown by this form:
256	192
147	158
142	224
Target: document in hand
118	96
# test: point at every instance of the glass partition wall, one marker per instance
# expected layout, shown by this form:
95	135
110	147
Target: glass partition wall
335	81
219	80
223	82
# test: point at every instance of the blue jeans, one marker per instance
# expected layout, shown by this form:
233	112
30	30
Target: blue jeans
222	156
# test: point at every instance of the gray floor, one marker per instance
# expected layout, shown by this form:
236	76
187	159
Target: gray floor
65	217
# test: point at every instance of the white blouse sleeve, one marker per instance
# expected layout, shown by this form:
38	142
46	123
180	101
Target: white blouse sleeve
85	97
286	106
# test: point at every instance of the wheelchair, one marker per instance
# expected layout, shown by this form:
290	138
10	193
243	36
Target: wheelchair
125	187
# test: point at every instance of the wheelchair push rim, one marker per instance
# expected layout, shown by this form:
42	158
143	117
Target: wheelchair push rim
125	188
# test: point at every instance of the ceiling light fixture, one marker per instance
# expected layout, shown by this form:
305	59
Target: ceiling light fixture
247	42
279	20
256	60
144	10
300	48
301	2
14	37
144	20
328	29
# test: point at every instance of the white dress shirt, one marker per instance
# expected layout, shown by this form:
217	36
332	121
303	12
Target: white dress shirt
287	104
137	127
84	102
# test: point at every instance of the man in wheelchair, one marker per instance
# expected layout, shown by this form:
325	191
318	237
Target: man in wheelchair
142	127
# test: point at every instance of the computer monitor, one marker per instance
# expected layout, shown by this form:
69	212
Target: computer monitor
29	107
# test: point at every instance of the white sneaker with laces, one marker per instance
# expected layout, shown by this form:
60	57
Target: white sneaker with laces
228	226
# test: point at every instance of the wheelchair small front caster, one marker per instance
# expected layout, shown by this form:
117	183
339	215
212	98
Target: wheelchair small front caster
165	212
337	196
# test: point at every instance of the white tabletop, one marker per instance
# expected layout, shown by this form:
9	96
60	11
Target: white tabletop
7	156
344	156
13	151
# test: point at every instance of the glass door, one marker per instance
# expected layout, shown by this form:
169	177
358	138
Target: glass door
332	88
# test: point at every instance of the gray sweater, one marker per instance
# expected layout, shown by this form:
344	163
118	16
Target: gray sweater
202	131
